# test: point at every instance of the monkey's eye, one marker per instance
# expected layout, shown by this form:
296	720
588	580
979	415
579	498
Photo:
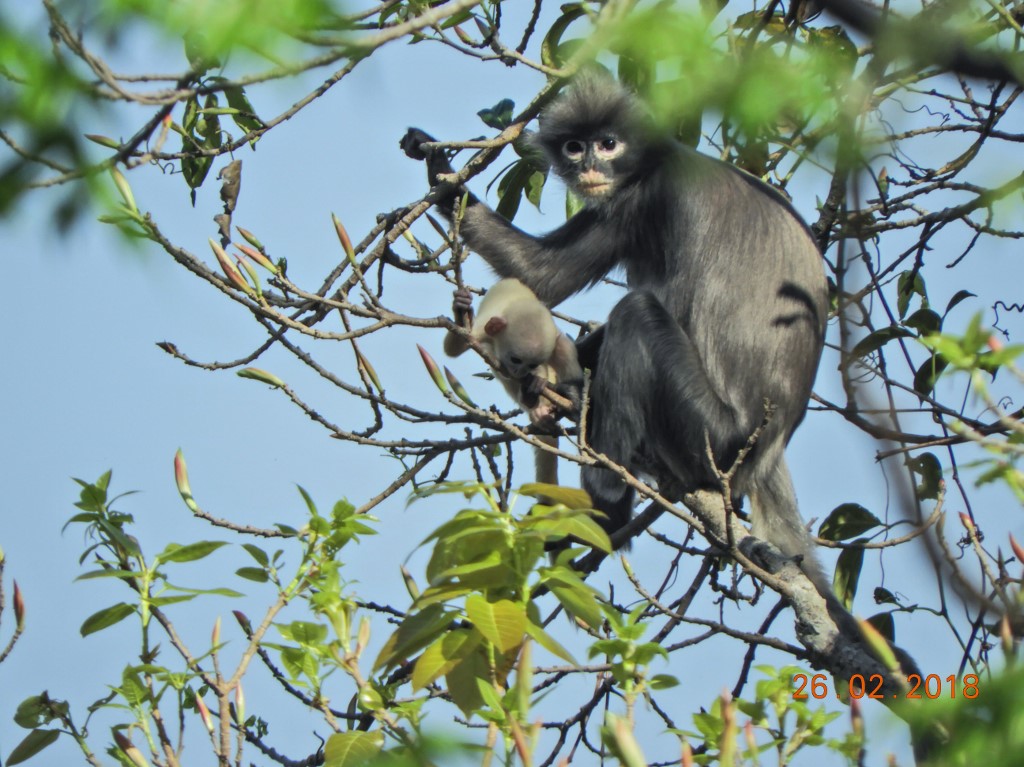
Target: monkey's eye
573	149
515	360
609	147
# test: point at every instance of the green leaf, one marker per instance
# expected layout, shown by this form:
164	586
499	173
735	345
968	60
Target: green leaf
461	681
34	712
106	618
573	204
245	118
582	527
512	187
961	295
549	48
257	553
194	167
305	632
924	321
571	497
351	749
580	603
928	374
883	622
503	623
499	116
875	341
190	552
844	581
255	574
663	682
443	655
927	466
33	743
846	521
415	632
545	640
105	574
908	284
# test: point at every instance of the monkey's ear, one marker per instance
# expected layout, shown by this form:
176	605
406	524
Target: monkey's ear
495	325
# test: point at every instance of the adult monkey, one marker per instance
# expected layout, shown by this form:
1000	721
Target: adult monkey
726	307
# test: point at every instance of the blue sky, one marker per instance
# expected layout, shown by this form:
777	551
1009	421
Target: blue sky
86	389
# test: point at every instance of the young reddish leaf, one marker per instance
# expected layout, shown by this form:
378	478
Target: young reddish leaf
1018	550
232	273
346	243
433	369
204	714
259	258
19	608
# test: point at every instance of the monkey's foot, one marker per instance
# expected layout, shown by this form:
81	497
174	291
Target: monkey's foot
764	554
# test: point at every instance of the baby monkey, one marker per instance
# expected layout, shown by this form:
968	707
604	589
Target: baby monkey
518	330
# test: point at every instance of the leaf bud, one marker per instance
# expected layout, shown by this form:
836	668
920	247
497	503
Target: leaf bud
19	608
346	243
181	479
258	257
130	750
250	238
435	372
204	714
261	375
458	388
243	621
240	705
125	190
233	275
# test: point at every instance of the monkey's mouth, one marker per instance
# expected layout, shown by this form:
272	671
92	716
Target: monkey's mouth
599	189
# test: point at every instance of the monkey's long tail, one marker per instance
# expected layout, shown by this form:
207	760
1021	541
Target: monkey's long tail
776	519
546	463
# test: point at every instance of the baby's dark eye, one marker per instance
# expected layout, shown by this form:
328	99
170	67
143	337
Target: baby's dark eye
515	360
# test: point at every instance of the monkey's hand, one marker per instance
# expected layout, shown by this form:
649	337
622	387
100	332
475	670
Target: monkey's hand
411	141
462	308
437	160
573	392
539	406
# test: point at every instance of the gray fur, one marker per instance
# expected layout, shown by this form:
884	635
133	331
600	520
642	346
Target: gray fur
726	309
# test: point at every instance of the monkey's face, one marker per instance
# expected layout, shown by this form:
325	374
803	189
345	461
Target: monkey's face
521	362
524	351
589	166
